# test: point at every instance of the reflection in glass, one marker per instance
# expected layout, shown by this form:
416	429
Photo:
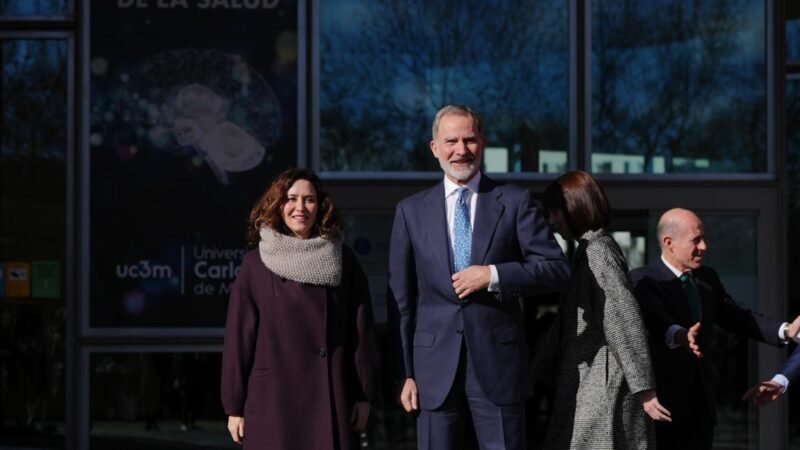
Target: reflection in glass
33	144
34	99
23	8
368	236
678	86
387	67
157	401
793	36
732	251
632	246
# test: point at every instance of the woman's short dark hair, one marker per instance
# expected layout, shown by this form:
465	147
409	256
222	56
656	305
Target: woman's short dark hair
581	199
267	210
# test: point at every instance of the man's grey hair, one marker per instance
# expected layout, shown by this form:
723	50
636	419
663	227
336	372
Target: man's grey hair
458	110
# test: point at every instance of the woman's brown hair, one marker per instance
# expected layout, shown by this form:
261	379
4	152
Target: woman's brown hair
267	210
581	199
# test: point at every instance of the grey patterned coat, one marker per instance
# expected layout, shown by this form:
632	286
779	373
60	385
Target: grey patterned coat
597	353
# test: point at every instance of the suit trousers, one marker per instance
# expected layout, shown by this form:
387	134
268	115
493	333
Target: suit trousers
497	427
695	432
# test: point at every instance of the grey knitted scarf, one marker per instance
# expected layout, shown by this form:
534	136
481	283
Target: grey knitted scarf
313	261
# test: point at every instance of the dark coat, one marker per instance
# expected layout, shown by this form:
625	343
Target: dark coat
296	357
428	322
680	376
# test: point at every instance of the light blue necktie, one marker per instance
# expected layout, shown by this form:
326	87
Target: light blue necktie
462	232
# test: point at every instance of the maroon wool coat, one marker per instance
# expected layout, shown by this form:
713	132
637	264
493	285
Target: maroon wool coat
297	356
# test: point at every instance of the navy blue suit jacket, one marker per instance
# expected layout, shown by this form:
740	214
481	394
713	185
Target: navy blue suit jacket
427	321
680	376
791	368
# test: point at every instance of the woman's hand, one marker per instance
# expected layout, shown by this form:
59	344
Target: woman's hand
236	428
359	416
653	408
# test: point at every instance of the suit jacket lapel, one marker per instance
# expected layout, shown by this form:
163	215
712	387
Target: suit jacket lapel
487	215
704	289
674	290
436	227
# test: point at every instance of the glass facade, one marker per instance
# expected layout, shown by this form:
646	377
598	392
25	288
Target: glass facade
678	87
387	67
33	8
33	180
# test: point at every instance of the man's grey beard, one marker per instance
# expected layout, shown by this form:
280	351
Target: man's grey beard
464	174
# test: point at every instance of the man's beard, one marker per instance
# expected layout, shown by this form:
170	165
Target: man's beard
463	174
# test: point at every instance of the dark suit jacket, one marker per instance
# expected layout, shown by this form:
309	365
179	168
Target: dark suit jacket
791	368
681	376
427	321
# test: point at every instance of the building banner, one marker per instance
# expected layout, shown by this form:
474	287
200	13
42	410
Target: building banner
193	111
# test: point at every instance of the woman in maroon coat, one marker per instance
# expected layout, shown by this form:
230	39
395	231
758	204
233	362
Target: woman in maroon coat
297	365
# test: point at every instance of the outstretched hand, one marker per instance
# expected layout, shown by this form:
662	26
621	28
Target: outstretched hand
763	393
653	408
690	339
692	336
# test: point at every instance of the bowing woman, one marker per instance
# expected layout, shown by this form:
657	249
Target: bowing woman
596	352
297	361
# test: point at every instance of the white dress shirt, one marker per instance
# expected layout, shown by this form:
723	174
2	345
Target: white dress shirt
450	196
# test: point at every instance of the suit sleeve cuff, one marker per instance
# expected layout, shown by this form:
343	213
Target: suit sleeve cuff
782	332
782	380
669	336
494	283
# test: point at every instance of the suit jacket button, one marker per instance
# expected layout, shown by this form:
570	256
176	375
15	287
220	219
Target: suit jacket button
460	332
322	352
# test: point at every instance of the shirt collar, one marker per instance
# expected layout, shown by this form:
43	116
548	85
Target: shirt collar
672	268
450	187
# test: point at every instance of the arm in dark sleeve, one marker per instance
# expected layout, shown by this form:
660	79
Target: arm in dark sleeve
361	334
401	298
239	345
737	319
543	267
791	369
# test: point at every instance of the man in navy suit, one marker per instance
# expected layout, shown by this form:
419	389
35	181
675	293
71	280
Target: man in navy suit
462	253
682	300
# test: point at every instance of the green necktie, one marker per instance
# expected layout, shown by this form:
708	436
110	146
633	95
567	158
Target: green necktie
692	295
